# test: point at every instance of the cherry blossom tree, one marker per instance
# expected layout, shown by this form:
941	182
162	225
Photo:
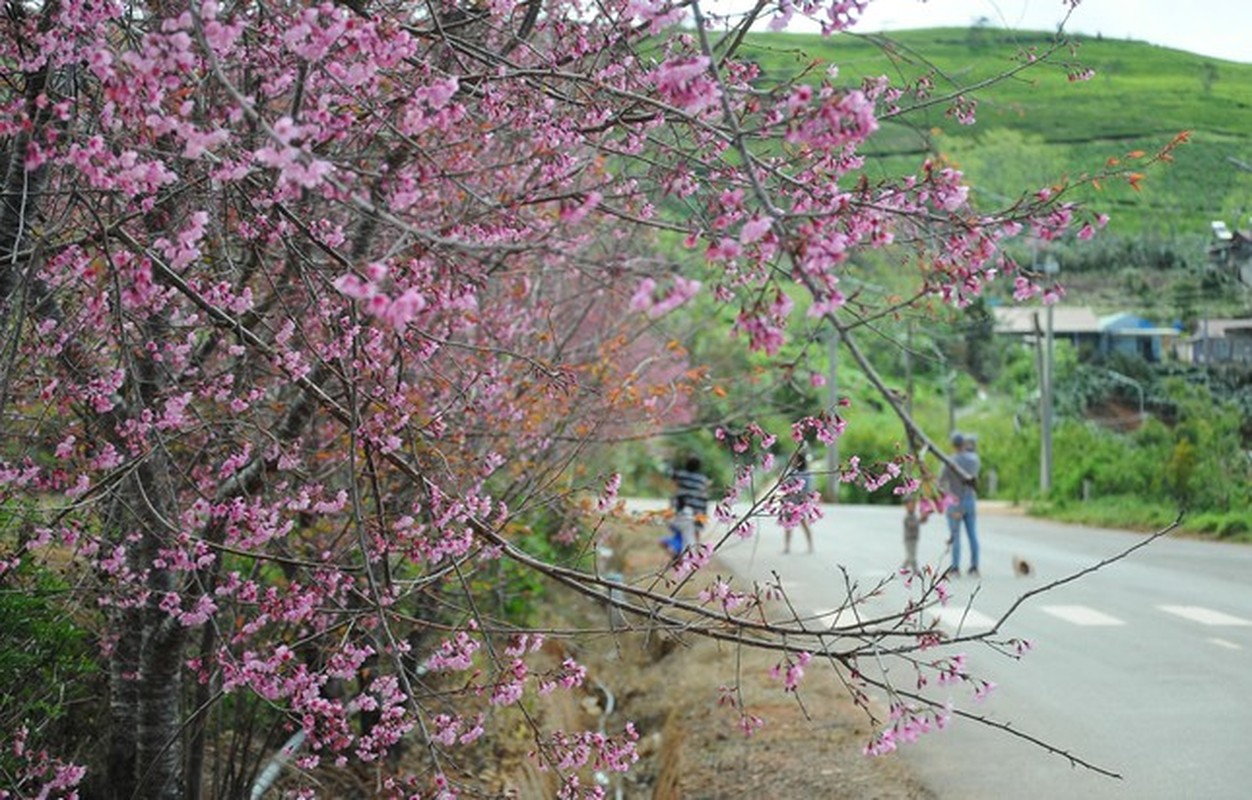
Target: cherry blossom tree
311	313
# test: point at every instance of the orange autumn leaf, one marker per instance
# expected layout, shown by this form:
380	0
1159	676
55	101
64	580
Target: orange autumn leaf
1135	178
1135	154
719	391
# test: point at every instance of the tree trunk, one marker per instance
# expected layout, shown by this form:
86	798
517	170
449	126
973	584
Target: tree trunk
146	752
160	750
123	703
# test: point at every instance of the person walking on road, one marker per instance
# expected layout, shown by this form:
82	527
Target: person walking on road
964	509
692	494
802	473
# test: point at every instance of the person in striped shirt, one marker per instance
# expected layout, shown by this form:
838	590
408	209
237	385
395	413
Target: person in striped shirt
692	492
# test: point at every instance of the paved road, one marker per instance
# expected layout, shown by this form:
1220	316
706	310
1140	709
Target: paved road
1144	668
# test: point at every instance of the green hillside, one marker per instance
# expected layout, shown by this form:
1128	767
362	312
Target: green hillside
1040	125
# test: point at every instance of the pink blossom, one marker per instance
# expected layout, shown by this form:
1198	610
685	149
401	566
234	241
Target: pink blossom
454	654
724	250
609	494
780	21
754	229
641	300
645	298
196	142
659	14
66	448
840	121
692	560
750	724
791	671
402	310
438	93
573	214
800	96
982	689
686	83
843	14
351	285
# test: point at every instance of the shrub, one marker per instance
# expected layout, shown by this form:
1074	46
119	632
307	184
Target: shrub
46	663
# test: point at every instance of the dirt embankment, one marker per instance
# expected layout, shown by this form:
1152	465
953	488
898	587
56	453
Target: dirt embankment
810	746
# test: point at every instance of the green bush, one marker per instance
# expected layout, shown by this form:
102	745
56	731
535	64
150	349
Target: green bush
1208	522
1224	524
52	685
1233	525
41	647
1122	511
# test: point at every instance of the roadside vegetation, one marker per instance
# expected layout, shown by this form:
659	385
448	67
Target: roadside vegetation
1187	450
1186	453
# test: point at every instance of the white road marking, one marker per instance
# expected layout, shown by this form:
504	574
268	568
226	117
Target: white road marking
1204	616
827	618
1226	644
967	620
950	618
834	618
1082	615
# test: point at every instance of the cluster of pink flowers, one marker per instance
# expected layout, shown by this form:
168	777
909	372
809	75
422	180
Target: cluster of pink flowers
570	752
794	505
841	120
826	427
687	83
455	654
449	729
569	675
646	299
906	725
721	593
38	773
692	560
791	670
391	722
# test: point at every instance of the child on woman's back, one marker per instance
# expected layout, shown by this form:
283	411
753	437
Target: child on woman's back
912	532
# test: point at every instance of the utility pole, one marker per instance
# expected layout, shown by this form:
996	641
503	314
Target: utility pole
1050	268
908	367
832	381
949	388
1045	410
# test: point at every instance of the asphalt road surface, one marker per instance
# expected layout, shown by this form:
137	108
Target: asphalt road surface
1143	667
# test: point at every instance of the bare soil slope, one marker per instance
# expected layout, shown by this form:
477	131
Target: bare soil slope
810	745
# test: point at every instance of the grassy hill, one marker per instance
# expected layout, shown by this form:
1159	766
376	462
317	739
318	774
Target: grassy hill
1039	125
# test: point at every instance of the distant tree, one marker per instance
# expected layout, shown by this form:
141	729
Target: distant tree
1001	162
1209	75
980	352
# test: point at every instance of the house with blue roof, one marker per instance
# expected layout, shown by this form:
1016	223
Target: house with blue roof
1133	335
1090	334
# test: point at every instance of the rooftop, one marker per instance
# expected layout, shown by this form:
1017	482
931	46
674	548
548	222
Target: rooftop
1065	319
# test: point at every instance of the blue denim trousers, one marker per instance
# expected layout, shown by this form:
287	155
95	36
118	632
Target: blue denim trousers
964	511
